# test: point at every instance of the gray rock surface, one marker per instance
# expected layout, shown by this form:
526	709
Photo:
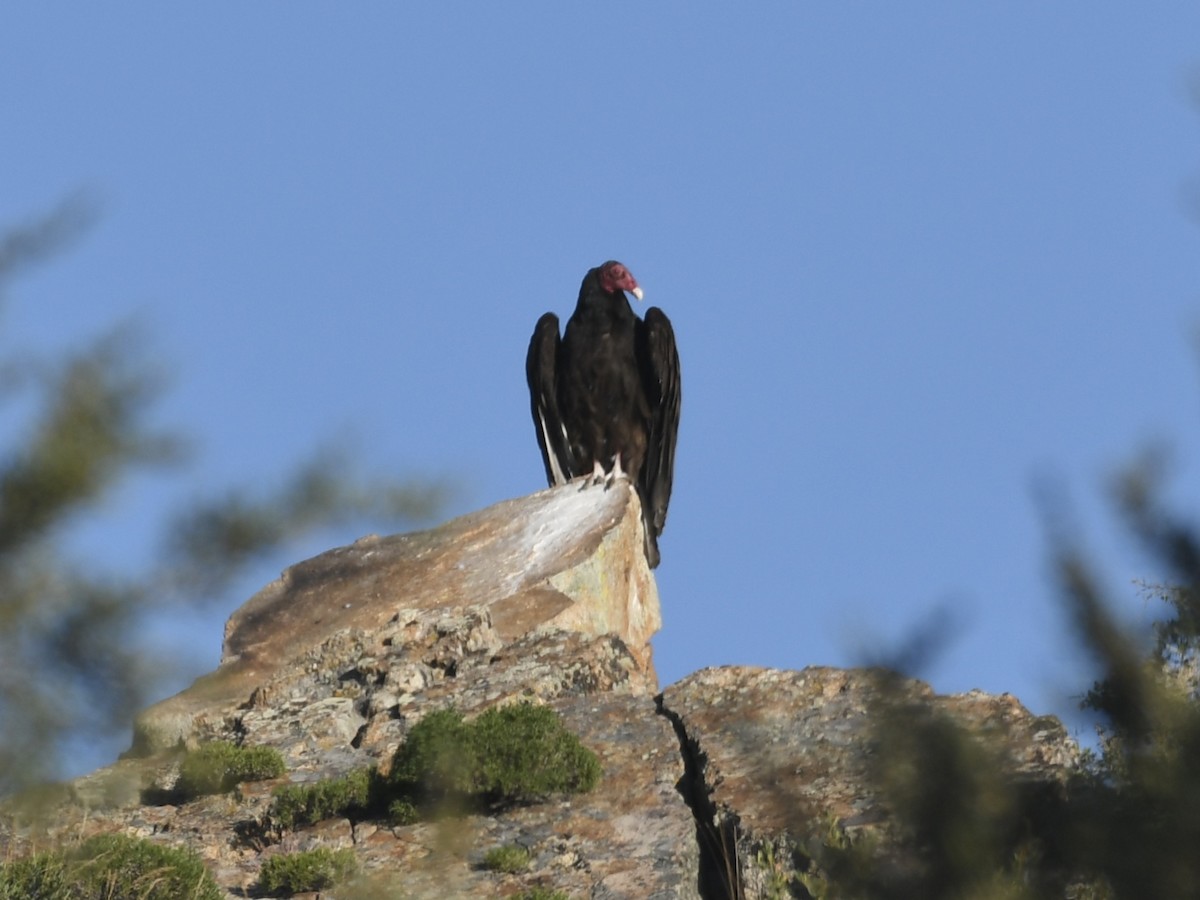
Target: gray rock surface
545	599
783	757
558	560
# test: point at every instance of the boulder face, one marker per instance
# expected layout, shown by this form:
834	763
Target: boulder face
545	599
561	561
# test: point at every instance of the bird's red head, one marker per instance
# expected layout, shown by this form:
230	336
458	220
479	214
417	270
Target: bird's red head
615	277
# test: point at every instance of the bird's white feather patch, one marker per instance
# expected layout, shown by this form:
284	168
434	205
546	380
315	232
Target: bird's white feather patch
555	469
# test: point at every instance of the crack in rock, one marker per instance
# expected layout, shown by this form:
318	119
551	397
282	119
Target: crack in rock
718	877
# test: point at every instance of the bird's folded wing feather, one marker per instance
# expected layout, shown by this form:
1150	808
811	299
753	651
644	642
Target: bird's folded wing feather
540	369
661	363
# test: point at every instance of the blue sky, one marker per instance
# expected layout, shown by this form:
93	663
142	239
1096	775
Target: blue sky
916	257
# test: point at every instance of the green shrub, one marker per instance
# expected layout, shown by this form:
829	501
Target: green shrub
437	759
354	796
309	870
42	876
511	859
109	867
516	754
525	752
144	870
403	812
542	893
221	765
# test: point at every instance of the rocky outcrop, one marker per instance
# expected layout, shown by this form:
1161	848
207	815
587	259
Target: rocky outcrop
779	758
561	561
545	599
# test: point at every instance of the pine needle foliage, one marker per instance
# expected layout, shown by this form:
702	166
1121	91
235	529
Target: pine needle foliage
78	426
1122	827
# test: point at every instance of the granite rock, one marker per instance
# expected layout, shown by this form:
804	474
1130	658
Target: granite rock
547	600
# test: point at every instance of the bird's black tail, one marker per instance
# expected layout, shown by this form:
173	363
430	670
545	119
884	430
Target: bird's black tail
651	539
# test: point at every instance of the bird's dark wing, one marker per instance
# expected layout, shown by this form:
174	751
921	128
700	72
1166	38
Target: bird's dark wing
540	368
659	362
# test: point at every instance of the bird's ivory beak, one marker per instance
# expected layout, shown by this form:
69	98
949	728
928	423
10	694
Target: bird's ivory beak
637	292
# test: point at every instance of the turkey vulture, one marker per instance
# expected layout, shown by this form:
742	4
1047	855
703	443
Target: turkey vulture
605	397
